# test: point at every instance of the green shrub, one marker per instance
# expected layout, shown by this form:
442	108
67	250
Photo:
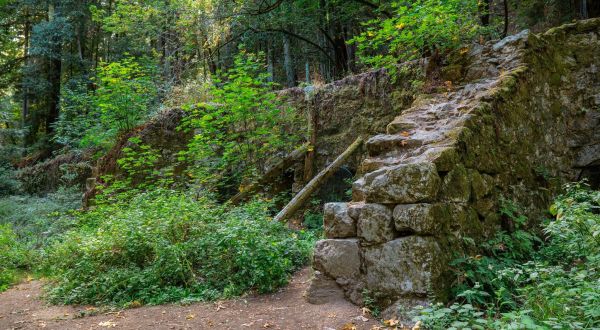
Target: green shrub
515	286
244	124
13	257
126	93
165	246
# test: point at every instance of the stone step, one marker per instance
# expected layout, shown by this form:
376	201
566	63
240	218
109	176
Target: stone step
372	164
395	143
400	125
398	184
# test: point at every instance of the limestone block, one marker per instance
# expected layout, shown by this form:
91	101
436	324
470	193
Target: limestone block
481	184
337	258
337	222
427	219
456	186
404	266
403	184
445	158
375	224
322	290
359	193
464	220
354	209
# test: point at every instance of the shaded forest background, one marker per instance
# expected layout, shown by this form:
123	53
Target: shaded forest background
52	51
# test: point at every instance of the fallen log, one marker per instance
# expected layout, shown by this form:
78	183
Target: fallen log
271	174
316	182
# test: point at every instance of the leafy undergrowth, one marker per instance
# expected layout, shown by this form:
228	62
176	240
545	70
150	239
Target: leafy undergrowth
526	282
34	218
165	246
13	257
26	224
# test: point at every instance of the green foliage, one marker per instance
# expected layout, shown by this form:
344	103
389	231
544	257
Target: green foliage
125	94
416	29
13	256
515	286
165	246
243	125
140	173
313	221
577	226
35	219
543	13
8	183
77	114
482	281
370	302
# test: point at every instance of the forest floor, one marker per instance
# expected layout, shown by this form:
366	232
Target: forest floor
22	308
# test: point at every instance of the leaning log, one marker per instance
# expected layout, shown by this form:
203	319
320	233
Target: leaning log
301	198
273	172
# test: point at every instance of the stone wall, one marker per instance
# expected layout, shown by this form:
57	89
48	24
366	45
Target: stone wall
359	105
525	118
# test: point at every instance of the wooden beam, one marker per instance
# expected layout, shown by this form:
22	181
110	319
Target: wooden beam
301	198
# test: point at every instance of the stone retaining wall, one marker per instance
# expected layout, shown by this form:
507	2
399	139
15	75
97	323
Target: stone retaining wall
526	119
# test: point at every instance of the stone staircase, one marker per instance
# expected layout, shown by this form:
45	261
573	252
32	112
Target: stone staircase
423	187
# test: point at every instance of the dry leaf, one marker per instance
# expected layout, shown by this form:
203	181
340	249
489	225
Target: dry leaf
220	306
190	316
135	304
391	322
107	324
348	326
417	326
366	311
268	325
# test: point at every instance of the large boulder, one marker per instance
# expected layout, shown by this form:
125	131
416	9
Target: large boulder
337	258
406	266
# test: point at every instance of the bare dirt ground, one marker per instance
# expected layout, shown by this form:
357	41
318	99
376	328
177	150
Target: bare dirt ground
22	308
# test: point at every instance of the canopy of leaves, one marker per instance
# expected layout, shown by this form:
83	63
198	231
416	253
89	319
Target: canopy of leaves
416	29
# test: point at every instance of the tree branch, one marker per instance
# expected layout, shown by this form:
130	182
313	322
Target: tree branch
294	35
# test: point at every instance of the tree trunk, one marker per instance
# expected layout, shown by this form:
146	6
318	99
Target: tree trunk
288	62
505	32
270	66
54	75
25	88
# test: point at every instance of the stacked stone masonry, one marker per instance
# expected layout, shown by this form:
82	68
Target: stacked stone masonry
525	118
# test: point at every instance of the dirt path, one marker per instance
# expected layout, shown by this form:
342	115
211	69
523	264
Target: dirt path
21	308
